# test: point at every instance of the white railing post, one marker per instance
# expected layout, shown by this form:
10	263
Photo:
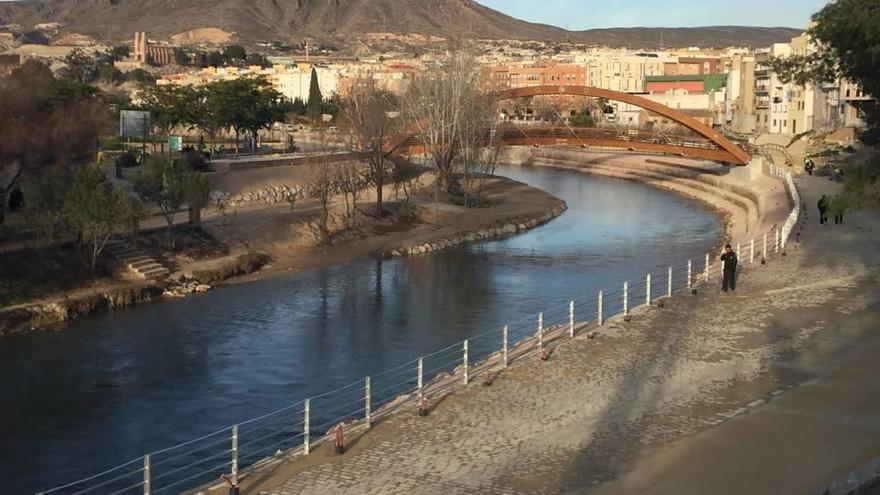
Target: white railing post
752	252
421	376
306	428
147	475
648	290
738	250
707	268
368	413
599	309
626	298
465	361
776	245
669	283
571	319
234	470
690	274
540	331
504	344
765	246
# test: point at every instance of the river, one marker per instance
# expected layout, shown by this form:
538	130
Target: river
112	387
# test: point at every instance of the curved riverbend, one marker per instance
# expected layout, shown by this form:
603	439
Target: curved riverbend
112	387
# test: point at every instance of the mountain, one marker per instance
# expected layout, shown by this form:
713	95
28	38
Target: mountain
342	20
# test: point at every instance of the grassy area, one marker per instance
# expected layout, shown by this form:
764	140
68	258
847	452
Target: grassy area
29	274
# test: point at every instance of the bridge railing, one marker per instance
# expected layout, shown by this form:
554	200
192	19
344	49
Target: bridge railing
229	454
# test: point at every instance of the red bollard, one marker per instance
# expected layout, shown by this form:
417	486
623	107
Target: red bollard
423	407
340	440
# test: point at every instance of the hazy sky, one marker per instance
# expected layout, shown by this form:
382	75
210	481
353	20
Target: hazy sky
586	14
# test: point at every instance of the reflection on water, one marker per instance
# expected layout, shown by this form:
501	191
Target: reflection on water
117	385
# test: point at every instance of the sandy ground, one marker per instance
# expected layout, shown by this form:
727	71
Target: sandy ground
771	390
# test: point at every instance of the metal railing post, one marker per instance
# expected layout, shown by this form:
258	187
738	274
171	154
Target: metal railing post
690	274
648	290
626	298
765	245
776	244
541	331
707	268
465	361
738	249
669	283
147	475
752	252
599	309
571	319
421	375
368	413
234	470
504	344
306	428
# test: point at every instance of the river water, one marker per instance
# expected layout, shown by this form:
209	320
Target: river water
112	387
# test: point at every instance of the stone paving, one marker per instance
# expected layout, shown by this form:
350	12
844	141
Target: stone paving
580	422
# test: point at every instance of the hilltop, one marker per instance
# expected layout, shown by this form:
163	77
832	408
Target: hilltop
343	20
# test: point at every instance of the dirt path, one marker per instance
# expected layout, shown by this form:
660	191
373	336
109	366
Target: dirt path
770	390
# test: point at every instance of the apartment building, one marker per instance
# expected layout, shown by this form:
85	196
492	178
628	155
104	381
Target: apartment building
772	96
535	74
624	72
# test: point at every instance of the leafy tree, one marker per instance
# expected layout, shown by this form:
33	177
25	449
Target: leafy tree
120	52
181	57
316	100
255	58
93	210
169	105
248	105
582	119
142	77
171	184
46	122
234	52
847	33
215	59
298	107
80	66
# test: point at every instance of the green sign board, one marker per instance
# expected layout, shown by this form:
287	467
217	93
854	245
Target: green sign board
175	143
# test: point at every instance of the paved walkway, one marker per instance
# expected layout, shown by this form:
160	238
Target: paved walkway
772	390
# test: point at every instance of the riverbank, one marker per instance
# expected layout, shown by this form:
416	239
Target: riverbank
744	393
283	242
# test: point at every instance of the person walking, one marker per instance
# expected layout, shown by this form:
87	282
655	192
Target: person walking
730	261
837	208
823	209
809	166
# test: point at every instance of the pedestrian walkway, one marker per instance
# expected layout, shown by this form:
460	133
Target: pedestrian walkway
770	390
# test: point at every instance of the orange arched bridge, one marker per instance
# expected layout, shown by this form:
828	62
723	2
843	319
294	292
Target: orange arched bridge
704	143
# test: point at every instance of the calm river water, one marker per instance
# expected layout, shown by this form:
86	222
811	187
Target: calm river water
112	387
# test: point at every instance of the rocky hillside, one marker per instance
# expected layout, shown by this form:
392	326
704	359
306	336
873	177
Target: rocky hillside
341	20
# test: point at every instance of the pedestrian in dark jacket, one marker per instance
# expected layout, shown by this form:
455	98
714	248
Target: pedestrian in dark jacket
729	273
823	210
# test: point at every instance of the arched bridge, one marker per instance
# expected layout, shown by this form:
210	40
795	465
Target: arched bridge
705	142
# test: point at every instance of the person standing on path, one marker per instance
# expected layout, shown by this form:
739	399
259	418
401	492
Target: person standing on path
730	261
838	208
823	210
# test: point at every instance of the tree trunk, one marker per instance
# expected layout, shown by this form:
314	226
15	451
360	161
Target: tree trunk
380	182
3	199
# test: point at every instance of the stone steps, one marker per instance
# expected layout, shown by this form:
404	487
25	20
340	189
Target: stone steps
141	264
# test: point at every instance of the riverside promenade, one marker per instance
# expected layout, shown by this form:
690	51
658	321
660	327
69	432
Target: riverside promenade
772	390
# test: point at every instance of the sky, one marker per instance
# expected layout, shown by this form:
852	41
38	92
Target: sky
588	14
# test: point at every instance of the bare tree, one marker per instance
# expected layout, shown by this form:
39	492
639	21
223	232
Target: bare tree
369	111
320	187
437	106
350	181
